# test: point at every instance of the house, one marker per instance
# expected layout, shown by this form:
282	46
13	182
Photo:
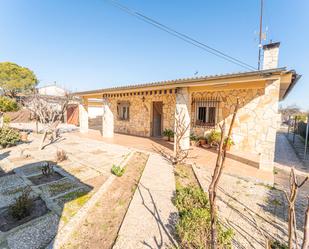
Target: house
202	103
52	90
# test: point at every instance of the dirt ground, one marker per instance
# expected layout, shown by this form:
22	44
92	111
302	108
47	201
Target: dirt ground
100	228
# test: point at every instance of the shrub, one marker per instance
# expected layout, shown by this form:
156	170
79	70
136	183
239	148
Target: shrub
8	105
8	137
117	170
6	119
190	197
61	155
47	169
193	137
277	245
229	141
22	206
168	133
214	137
193	226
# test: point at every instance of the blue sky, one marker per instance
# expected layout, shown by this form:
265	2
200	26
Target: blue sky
85	45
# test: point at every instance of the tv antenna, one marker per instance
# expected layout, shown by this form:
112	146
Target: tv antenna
262	36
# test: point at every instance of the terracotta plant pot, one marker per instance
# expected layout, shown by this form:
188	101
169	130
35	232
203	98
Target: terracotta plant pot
24	136
202	142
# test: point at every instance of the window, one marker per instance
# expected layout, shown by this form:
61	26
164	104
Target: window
206	112
123	109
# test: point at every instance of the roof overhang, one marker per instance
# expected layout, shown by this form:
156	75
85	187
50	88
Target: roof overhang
215	80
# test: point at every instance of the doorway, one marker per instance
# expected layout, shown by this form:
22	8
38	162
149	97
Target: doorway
157	118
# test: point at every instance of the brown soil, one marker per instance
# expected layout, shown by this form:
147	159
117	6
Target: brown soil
184	176
100	228
7	222
41	179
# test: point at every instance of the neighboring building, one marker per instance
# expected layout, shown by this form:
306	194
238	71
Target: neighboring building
203	102
52	90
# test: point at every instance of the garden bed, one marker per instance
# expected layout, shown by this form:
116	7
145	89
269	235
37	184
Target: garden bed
41	179
193	226
100	228
7	222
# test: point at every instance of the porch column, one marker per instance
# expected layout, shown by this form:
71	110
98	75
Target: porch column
107	120
182	117
83	116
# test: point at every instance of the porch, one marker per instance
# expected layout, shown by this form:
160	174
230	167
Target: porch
244	166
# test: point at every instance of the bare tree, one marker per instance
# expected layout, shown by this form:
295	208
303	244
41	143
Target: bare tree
291	198
212	191
306	228
179	154
48	111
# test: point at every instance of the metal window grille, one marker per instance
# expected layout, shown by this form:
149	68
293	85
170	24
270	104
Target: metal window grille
205	112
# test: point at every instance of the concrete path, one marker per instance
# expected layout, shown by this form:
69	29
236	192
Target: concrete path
285	156
149	222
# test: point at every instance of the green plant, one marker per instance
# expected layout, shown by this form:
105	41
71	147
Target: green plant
277	245
214	137
8	105
193	226
169	133
6	119
228	141
117	170
47	169
190	197
193	137
8	137
21	208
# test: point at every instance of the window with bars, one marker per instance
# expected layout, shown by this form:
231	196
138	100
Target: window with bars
206	112
123	109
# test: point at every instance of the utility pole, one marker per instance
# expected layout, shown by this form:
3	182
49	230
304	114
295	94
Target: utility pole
260	35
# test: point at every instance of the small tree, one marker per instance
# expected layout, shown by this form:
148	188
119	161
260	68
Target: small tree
306	228
291	198
212	191
48	111
179	155
15	79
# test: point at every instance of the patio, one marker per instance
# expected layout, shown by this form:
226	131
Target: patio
236	164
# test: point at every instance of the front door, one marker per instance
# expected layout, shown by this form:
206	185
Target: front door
157	119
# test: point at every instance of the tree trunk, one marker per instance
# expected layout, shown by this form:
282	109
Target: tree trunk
306	229
213	215
290	227
43	139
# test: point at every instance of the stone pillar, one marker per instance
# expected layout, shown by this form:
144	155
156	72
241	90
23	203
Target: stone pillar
83	116
107	120
270	124
182	115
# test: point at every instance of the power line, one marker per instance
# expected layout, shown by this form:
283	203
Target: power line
181	36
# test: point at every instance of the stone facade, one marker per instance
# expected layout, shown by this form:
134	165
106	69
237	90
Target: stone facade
140	115
256	122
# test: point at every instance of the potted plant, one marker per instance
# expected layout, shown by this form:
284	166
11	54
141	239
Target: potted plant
194	140
202	140
23	136
214	138
228	143
168	134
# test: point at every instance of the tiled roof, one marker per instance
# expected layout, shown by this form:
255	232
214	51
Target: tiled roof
183	80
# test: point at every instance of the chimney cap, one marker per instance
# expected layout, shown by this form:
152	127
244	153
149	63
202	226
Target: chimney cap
271	45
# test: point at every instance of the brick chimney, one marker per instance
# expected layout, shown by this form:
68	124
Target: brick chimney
271	55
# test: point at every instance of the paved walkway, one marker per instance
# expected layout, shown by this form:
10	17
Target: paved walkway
242	203
151	215
285	156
